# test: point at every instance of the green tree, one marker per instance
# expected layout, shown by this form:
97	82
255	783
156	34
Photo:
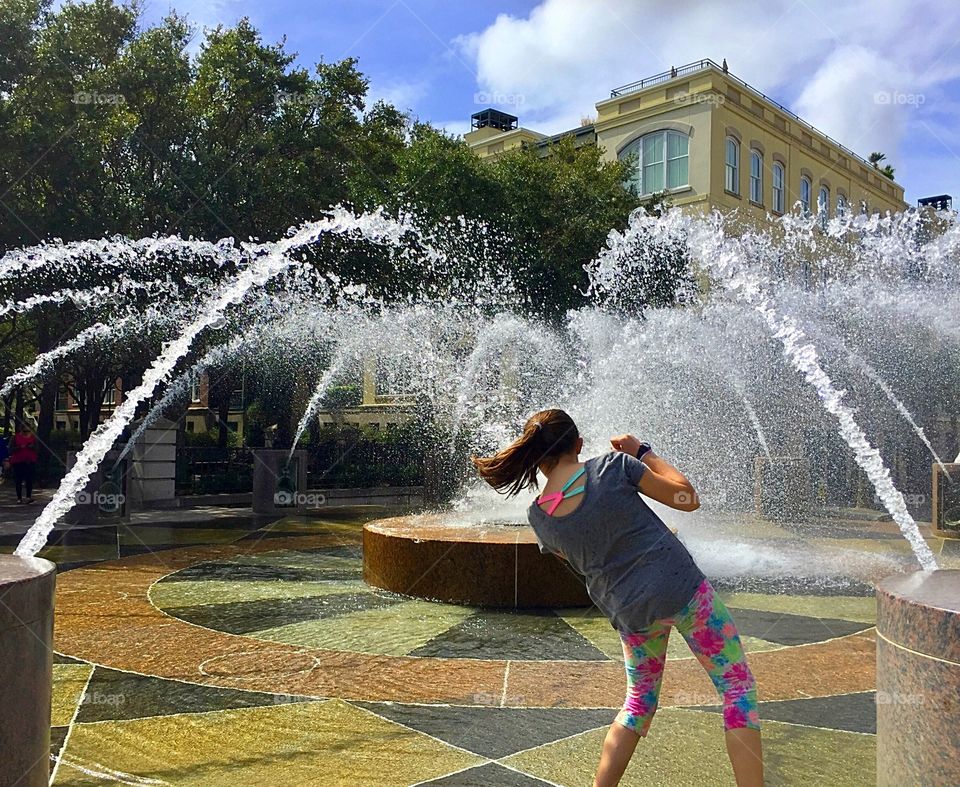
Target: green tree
876	158
439	176
563	204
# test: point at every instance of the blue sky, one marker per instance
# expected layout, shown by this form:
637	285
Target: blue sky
874	74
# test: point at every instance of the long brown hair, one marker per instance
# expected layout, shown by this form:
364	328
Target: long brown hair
547	435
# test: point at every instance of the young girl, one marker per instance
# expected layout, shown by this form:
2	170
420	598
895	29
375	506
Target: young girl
637	573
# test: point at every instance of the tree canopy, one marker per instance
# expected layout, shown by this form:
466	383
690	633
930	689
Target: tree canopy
113	128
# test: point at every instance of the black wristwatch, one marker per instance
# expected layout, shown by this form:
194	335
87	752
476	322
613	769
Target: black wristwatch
643	450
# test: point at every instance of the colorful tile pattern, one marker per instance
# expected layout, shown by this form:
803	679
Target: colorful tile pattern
258	656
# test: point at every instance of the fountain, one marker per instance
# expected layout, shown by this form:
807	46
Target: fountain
483	366
745	374
470	557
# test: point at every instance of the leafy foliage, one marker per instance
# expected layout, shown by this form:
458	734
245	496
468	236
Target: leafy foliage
111	128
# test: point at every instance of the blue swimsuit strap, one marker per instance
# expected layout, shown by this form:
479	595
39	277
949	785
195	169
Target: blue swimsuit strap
563	494
566	486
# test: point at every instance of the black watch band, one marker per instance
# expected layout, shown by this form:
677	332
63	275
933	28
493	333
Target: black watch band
643	450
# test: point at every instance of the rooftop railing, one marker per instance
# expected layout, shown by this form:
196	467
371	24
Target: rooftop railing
706	64
666	76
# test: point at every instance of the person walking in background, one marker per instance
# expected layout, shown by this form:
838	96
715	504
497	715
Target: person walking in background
23	461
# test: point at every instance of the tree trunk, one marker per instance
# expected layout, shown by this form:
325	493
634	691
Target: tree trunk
223	430
48	400
7	411
48	393
284	435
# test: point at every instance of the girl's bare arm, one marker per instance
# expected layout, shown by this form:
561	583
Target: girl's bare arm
661	481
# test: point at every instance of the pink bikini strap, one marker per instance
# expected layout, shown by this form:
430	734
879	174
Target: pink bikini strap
556	497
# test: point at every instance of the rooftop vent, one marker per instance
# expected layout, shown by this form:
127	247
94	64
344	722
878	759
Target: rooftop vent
940	202
493	118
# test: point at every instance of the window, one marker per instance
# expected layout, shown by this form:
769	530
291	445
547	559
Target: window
841	206
732	180
110	398
678	149
195	391
778	195
394	379
662	162
652	163
61	426
823	202
805	190
190	426
756	177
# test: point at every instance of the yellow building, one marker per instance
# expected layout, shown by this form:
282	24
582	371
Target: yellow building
709	140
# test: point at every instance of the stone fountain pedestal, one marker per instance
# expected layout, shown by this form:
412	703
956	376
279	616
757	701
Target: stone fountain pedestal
26	669
497	566
918	679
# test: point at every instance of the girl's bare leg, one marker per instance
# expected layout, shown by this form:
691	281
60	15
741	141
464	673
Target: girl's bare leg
746	756
618	748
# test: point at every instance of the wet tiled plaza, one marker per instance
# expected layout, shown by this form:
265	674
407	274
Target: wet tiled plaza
222	649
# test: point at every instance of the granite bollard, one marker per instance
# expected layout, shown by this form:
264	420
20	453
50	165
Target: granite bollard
26	669
918	679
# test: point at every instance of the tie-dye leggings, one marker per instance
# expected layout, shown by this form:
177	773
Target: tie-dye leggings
707	627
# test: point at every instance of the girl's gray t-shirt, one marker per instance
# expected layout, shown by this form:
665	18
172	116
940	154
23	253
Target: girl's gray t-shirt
636	570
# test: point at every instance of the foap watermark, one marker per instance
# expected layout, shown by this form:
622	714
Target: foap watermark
287	98
897	98
106	499
490	698
715	99
695	698
98	99
897	698
288	499
505	99
100	698
685	498
914	499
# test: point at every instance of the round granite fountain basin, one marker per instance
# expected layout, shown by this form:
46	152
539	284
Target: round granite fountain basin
484	565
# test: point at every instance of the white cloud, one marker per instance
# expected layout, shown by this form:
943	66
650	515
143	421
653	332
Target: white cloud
860	97
453	127
825	59
202	15
403	95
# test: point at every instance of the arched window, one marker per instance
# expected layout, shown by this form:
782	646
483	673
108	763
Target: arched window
732	179
756	177
823	202
662	162
778	192
841	206
805	191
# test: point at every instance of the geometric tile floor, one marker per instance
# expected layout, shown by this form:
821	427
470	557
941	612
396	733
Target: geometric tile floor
242	653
